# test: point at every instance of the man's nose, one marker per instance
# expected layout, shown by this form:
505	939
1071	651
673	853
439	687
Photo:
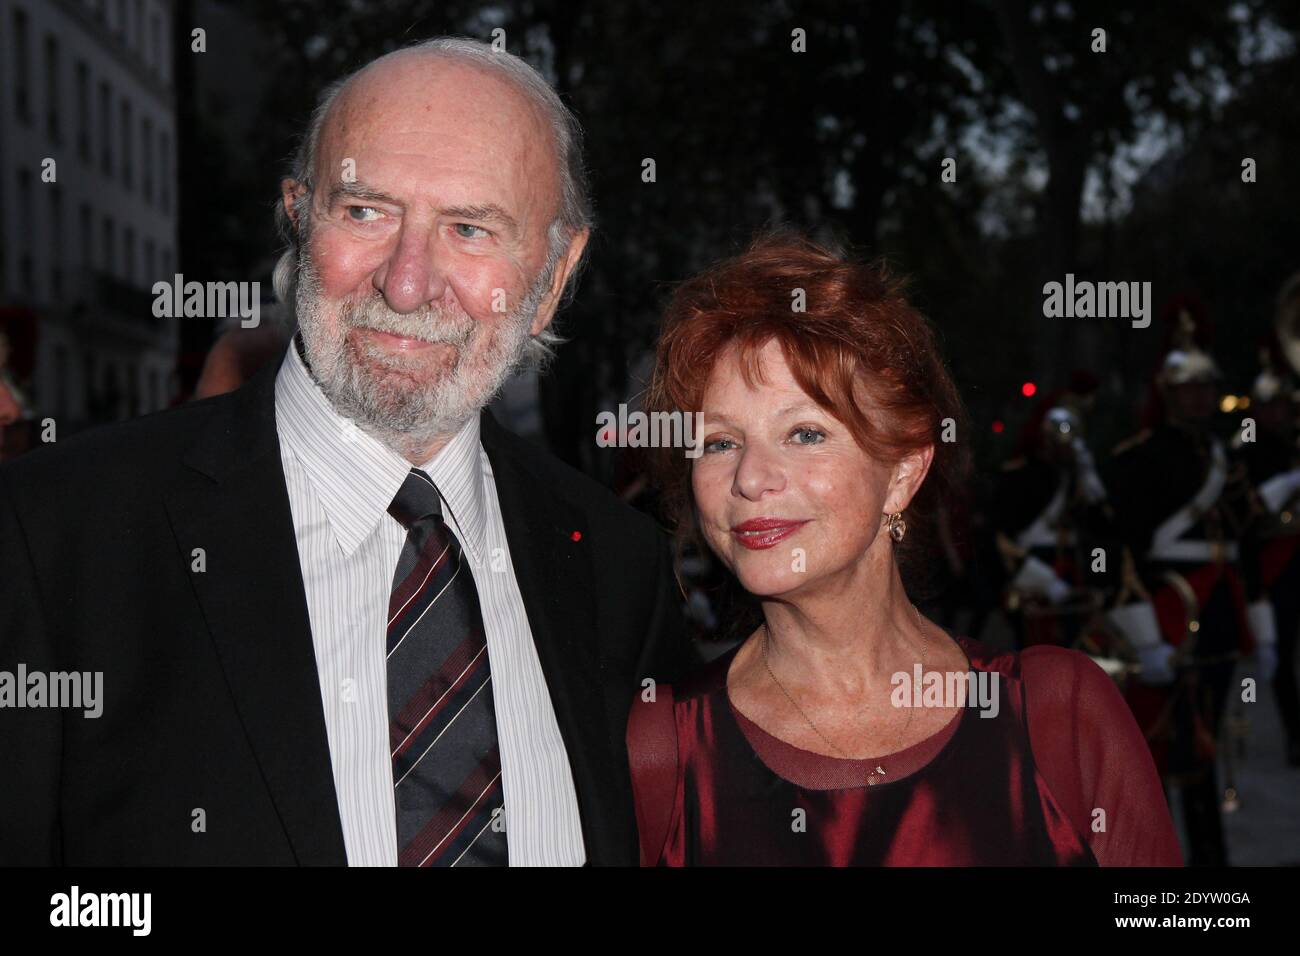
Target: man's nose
413	274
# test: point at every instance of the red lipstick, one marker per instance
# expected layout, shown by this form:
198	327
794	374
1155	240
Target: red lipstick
758	534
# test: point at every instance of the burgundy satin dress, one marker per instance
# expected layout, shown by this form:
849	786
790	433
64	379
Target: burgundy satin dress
971	795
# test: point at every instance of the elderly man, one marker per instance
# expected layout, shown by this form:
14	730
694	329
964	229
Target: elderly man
341	615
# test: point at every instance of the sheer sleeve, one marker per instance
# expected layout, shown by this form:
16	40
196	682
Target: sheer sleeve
1093	757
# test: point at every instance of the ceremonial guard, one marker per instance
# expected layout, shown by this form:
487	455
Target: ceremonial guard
1049	508
1270	446
1183	505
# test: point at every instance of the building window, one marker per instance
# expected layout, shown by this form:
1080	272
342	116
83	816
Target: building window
56	241
63	406
168	274
83	110
132	390
146	158
26	212
87	237
121	18
128	251
105	128
53	101
156	42
165	171
138	39
22	65
128	131
150	263
88	380
107	249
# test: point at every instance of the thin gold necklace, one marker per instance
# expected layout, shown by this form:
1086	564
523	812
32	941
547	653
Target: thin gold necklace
878	771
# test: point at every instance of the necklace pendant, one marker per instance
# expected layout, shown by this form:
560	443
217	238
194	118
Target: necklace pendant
871	777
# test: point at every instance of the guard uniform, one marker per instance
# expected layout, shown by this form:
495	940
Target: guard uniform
1272	458
1048	507
1183	505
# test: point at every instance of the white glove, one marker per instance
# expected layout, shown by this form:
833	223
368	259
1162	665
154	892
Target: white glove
1266	662
1279	489
1264	626
1140	626
1086	468
1036	577
1157	664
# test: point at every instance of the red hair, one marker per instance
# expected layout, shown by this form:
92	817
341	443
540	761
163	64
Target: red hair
859	342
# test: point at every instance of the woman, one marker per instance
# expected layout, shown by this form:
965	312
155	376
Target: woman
840	731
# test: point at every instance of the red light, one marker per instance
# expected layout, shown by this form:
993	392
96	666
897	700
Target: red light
1028	389
997	427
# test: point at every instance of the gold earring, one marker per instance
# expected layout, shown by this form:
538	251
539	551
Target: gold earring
897	526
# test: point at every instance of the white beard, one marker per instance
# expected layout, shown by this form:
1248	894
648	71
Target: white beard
396	400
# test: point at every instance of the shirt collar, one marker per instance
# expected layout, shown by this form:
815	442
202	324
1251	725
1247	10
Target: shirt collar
356	477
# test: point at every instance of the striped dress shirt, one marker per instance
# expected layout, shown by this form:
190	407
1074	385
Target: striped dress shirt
341	482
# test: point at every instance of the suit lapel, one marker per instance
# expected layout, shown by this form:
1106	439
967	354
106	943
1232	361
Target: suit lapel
552	564
233	503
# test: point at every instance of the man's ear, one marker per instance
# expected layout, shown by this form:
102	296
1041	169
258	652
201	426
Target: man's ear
290	192
563	269
907	477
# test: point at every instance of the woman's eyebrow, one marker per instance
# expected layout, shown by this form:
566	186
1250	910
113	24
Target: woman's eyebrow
710	416
714	415
799	407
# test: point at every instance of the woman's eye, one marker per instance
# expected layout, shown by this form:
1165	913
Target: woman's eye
814	435
461	228
716	445
360	213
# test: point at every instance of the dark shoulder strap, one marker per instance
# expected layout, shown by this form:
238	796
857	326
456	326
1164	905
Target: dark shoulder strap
652	757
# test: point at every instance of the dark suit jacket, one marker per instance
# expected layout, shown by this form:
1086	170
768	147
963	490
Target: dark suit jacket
211	696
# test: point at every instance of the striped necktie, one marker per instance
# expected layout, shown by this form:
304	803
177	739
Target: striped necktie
442	725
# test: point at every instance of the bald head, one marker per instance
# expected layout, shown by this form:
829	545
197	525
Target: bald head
410	94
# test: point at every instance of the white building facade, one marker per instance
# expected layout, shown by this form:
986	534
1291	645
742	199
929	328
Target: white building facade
88	200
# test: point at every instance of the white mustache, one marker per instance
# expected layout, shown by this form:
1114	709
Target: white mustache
434	327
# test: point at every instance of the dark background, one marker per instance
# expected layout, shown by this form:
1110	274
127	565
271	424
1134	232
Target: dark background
1123	165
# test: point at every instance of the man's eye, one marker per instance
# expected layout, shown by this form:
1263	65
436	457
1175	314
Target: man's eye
716	445
466	231
363	213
